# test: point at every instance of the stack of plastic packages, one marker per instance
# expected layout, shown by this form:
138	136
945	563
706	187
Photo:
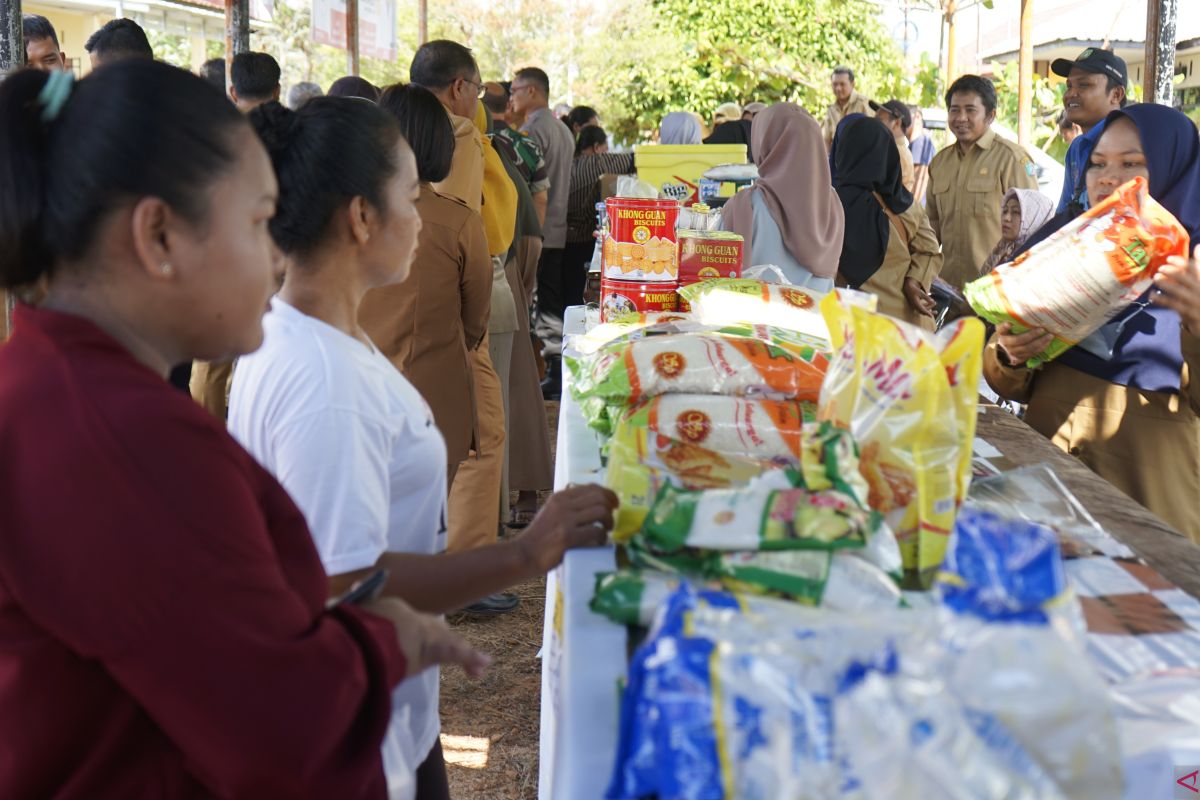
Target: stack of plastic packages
986	694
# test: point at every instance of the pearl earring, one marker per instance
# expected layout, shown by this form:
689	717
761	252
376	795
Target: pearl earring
165	268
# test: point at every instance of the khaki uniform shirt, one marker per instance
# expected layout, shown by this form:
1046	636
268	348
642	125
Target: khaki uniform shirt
857	104
465	181
965	192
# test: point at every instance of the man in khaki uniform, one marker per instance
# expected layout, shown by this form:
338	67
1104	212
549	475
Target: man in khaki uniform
968	180
846	102
895	116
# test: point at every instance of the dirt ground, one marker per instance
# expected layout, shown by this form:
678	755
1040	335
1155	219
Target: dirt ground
490	727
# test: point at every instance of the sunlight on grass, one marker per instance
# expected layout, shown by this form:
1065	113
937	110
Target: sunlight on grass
465	751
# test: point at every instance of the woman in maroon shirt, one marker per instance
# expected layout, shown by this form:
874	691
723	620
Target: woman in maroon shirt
163	631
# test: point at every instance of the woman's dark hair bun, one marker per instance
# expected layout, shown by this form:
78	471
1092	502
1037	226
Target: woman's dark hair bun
135	128
274	123
329	151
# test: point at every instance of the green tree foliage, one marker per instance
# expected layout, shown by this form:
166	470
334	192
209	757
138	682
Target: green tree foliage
681	55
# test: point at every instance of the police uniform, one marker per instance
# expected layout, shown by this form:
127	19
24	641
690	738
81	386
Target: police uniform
965	193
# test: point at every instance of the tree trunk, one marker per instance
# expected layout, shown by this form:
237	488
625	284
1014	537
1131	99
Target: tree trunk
12	44
422	22
1025	79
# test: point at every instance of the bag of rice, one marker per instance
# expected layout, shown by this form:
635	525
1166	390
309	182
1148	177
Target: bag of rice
764	430
698	363
640	463
634	326
725	301
909	398
758	517
1085	274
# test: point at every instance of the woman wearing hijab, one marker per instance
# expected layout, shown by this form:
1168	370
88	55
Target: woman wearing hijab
1130	415
680	127
791	217
837	134
894	253
1022	212
735	131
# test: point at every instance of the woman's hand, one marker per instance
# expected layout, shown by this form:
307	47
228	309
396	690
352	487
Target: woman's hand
1022	346
1178	284
919	299
579	516
426	641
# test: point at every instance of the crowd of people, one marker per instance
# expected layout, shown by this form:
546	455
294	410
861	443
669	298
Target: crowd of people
361	290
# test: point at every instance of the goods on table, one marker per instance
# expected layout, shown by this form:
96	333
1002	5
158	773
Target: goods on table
678	438
725	301
1085	274
749	698
698	217
695	363
628	327
766	430
757	518
909	398
631	596
618	298
1002	569
641	246
705	255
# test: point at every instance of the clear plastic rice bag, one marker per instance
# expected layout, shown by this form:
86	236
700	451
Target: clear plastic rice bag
698	363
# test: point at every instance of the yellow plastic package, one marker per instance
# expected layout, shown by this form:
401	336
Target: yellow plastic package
909	397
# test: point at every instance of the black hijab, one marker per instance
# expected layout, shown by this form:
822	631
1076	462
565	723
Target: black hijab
735	131
867	162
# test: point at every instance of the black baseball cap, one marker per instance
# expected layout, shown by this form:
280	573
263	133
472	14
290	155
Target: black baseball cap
896	109
1101	62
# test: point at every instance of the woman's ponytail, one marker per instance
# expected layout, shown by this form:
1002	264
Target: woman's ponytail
24	155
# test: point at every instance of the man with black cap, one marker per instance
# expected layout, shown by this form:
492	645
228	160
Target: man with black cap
1097	82
896	117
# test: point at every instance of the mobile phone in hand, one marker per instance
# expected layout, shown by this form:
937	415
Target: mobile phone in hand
363	591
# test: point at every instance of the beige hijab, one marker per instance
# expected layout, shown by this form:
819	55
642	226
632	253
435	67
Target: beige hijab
794	182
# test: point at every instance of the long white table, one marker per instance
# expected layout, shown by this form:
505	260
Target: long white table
584	656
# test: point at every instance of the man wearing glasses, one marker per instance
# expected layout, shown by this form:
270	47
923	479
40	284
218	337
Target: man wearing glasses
559	285
448	70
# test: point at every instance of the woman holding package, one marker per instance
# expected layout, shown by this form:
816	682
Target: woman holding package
163	621
1130	415
342	429
791	217
894	254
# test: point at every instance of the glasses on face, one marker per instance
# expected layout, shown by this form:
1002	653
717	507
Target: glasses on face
480	89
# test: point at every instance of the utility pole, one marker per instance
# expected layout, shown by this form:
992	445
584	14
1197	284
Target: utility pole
1160	51
352	36
951	42
237	34
1025	77
422	22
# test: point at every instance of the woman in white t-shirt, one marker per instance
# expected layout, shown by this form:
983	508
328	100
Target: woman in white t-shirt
341	428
